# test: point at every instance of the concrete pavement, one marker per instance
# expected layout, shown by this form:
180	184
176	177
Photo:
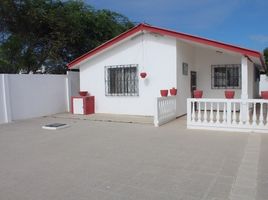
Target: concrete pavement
108	160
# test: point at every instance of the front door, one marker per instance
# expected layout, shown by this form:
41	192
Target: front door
193	83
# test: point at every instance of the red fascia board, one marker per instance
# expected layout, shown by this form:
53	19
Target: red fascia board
162	31
106	45
202	41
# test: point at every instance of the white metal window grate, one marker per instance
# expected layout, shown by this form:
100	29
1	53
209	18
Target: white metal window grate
121	80
226	76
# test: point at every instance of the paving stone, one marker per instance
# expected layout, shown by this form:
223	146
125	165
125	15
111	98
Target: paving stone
104	160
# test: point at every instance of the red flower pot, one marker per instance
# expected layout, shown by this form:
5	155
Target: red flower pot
264	94
173	91
83	93
229	94
164	93
143	74
198	93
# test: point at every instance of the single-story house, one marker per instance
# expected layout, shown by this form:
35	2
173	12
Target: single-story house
111	72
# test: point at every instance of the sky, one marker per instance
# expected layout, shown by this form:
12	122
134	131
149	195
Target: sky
239	22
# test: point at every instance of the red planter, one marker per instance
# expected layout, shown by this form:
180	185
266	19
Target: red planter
173	91
264	94
164	93
143	74
83	93
198	93
229	94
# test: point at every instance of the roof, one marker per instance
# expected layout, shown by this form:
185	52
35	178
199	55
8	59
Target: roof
179	35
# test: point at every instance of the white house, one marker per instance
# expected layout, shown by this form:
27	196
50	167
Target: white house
111	72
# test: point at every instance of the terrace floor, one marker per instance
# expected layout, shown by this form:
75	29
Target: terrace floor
112	160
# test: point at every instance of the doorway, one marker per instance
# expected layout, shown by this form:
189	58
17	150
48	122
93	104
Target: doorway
193	83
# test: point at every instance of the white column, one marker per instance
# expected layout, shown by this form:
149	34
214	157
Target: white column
244	77
244	88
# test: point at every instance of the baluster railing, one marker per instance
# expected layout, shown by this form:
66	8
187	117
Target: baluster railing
261	122
234	120
224	113
246	114
165	110
205	113
211	118
254	117
199	112
218	113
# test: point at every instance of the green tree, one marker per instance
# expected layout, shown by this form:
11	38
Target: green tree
36	33
265	54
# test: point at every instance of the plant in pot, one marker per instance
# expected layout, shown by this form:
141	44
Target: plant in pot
164	93
173	91
198	93
143	74
83	93
264	94
229	94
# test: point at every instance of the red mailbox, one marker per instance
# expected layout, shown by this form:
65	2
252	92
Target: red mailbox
83	105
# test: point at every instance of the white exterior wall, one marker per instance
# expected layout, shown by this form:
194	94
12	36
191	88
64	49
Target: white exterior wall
185	54
263	83
158	61
206	57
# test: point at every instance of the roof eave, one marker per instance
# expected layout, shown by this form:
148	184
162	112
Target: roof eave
141	27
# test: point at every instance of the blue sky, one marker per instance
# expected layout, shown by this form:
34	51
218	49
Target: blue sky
239	22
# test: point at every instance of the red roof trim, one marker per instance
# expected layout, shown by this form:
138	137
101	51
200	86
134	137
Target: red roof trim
106	45
162	31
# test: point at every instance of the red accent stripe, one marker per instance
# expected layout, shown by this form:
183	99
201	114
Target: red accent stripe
162	31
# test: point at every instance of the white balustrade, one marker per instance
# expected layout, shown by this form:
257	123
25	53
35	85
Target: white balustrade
228	114
165	110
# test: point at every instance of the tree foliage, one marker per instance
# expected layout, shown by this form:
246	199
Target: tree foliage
38	33
265	54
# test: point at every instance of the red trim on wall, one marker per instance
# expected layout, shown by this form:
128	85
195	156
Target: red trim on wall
162	31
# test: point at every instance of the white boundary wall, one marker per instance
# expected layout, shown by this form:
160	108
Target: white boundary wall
27	96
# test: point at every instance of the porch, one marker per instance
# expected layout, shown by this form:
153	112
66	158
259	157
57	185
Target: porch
244	115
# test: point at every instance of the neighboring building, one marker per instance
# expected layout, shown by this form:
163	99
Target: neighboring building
111	72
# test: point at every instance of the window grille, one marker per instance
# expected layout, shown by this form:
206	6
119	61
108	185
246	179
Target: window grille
226	76
121	80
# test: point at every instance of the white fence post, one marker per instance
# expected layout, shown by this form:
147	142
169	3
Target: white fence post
6	98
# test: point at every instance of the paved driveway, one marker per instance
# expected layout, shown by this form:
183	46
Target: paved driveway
106	161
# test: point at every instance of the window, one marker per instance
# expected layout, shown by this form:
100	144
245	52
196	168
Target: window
225	76
121	80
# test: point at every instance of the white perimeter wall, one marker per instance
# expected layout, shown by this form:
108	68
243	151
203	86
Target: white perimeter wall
158	61
28	96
